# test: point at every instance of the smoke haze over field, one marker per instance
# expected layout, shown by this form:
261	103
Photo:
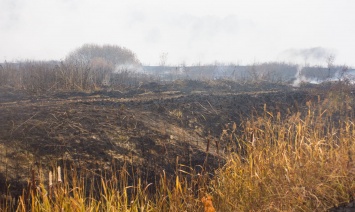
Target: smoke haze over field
310	55
191	32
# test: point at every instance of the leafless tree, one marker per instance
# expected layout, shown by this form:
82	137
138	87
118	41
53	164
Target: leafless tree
330	61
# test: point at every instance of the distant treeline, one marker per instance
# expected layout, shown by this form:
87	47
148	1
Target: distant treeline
73	75
41	77
269	72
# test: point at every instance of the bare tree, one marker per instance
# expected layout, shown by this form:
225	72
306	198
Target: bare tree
163	59
330	61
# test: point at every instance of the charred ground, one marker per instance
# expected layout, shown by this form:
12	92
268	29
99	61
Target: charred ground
150	128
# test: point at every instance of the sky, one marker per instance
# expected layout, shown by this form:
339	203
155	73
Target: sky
185	31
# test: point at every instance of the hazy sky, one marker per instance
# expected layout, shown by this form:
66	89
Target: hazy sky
190	32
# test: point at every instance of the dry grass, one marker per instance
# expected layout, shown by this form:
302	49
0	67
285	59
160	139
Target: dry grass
299	163
71	191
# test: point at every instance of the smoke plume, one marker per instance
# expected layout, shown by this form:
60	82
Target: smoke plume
308	55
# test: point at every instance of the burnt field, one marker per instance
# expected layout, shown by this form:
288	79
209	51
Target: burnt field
165	145
150	128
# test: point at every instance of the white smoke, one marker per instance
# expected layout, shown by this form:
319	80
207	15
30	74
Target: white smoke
300	78
308	56
342	74
129	67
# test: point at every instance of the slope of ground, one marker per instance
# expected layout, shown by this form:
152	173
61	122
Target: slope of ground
148	127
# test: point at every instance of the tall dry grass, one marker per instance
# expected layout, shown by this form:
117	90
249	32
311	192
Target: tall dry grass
297	163
67	189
